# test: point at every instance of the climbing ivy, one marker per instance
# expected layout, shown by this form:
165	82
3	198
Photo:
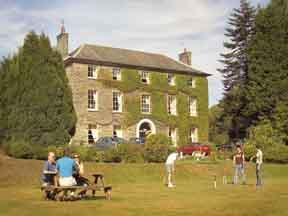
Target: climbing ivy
158	87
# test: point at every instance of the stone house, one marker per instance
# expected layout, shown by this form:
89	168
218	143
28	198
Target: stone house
128	94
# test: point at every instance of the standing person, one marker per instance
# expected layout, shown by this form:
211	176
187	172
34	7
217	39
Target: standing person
170	167
259	162
238	161
66	166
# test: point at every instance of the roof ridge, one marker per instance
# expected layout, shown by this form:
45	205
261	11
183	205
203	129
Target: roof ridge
133	50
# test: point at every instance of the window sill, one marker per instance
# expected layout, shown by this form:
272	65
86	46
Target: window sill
193	115
92	110
92	78
116	111
146	113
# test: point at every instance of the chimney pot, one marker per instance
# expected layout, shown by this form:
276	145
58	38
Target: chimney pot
185	57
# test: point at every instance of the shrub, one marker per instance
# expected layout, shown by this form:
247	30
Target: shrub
131	153
112	155
156	148
87	153
20	149
270	141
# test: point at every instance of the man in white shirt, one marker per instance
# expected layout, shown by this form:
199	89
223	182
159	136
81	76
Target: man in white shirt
170	167
259	162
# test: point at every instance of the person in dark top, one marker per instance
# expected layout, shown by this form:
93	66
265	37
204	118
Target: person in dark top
49	173
49	170
238	161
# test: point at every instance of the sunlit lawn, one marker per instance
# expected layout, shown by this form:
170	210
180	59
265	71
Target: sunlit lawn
138	189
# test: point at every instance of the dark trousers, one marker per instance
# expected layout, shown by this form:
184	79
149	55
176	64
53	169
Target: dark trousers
258	175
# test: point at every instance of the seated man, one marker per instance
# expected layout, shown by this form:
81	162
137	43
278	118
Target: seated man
49	174
49	170
66	167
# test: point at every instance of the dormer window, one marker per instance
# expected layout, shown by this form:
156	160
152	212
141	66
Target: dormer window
116	73
144	76
171	79
191	82
92	71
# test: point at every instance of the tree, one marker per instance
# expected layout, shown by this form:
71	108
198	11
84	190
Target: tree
217	129
239	32
38	101
266	94
235	67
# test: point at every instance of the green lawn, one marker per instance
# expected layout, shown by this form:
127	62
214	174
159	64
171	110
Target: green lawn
138	190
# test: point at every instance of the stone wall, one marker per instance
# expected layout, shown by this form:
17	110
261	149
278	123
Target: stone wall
104	118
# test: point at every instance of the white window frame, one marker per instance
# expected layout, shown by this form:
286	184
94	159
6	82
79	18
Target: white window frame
92	71
192	82
94	131
193	106
172	104
171	79
92	99
144	75
119	101
172	134
194	135
116	73
145	104
117	131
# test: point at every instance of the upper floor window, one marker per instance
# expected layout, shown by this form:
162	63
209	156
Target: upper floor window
116	74
144	76
117	101
172	105
92	71
194	135
92	99
171	79
191	82
192	106
146	104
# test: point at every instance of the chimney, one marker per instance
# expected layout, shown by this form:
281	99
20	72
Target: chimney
185	57
62	41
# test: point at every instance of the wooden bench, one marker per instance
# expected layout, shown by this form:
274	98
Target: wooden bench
97	185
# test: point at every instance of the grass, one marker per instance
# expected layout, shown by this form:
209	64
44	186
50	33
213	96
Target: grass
138	190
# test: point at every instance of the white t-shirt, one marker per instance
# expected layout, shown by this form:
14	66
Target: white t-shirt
171	158
259	157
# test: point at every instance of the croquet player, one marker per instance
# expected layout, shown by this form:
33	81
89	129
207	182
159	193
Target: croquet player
238	161
170	168
259	161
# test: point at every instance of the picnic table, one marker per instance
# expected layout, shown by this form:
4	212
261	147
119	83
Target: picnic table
97	185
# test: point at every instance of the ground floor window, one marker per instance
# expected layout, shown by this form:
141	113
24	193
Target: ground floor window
172	134
93	133
194	135
117	131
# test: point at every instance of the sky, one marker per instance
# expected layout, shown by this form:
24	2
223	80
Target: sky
161	26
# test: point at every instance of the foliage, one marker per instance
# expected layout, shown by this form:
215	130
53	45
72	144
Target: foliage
25	150
235	68
270	141
157	148
36	101
266	94
217	129
131	86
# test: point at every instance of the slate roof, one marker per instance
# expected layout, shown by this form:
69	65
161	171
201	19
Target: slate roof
109	56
